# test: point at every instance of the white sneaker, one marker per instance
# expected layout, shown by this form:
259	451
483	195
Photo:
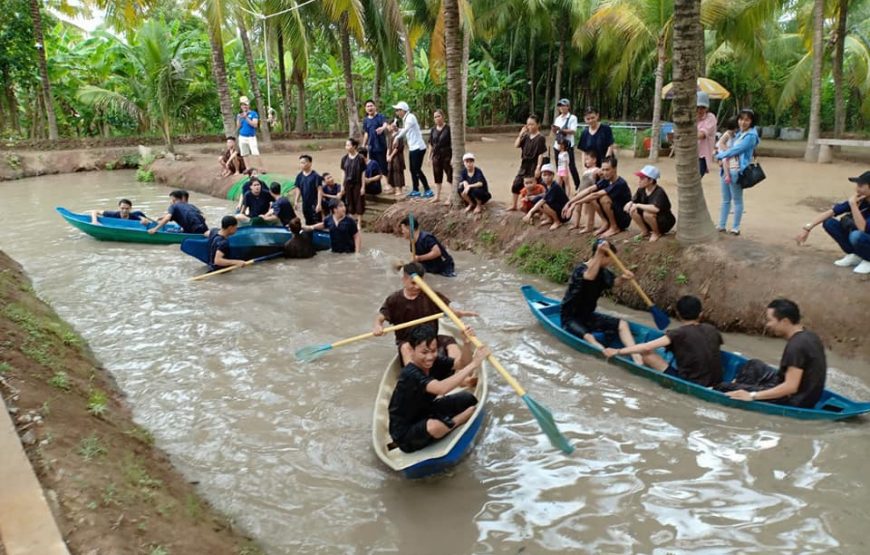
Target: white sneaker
848	260
863	267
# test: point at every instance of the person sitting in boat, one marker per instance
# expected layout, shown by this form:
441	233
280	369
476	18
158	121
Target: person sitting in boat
430	252
422	407
410	303
803	366
219	245
301	245
125	212
344	235
231	162
588	281
695	346
183	213
255	203
253	175
282	209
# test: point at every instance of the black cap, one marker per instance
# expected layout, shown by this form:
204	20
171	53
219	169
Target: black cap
862	179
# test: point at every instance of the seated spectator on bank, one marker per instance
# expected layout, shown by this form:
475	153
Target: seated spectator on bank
803	366
651	208
552	203
695	346
231	161
532	192
607	199
848	223
124	212
372	175
473	187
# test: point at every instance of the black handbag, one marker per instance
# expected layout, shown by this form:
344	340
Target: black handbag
751	176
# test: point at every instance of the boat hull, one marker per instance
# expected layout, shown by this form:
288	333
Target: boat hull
831	406
251	242
126	231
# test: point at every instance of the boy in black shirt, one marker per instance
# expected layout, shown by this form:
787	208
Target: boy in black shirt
422	409
695	347
588	281
219	245
803	365
429	251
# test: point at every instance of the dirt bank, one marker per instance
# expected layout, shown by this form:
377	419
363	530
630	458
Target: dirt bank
110	489
735	277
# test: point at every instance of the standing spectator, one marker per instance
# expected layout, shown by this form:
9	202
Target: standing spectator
330	192
651	208
532	147
706	133
246	124
416	149
597	137
725	142
307	195
744	146
396	167
441	155
373	175
375	128
353	164
565	128
852	230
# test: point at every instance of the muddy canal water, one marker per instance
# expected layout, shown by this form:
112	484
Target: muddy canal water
284	448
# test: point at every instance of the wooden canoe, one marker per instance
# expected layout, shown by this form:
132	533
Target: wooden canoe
440	455
128	231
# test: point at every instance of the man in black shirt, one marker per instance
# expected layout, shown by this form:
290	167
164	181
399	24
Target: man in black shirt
588	281
422	409
219	245
650	208
282	211
695	346
803	365
428	250
255	203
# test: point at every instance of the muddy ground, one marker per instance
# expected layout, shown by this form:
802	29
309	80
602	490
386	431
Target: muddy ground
111	491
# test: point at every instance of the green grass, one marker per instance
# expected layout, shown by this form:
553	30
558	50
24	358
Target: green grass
682	279
141	434
5	367
144	176
60	380
487	237
97	402
540	259
91	447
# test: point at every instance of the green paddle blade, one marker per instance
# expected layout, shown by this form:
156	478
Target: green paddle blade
545	420
307	354
660	317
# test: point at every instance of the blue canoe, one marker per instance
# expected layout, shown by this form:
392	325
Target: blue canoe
251	242
832	406
128	231
444	453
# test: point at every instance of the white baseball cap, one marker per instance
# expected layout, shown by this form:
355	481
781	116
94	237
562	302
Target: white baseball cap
651	172
402	106
547	168
467	156
244	100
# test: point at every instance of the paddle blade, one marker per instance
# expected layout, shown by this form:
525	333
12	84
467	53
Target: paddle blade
307	354
545	420
661	319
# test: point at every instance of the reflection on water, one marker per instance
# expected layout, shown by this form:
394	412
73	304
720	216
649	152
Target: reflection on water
285	449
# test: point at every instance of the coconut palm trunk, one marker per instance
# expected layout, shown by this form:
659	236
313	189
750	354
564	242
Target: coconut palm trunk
262	109
661	52
695	225
812	152
299	81
282	70
219	71
43	69
453	51
560	64
353	123
837	70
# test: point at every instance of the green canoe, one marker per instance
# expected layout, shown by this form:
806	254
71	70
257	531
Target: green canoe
236	190
128	231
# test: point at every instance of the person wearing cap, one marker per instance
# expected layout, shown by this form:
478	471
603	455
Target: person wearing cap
553	202
650	208
246	124
473	187
532	147
706	133
744	146
413	138
565	128
597	137
851	230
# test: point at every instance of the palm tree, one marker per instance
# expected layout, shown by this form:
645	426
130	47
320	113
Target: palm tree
812	150
48	99
453	43
837	69
215	11
255	82
347	14
695	223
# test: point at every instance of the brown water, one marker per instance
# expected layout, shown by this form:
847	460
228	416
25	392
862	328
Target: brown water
284	449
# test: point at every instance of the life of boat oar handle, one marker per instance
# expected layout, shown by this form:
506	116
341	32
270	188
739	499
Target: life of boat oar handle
231	268
624	270
474	340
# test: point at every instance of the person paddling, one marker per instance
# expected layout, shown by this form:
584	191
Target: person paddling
428	250
219	245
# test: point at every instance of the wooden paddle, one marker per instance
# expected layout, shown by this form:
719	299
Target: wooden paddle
307	354
659	316
231	268
398	264
541	413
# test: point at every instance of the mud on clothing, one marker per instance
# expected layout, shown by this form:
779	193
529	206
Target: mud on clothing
300	246
283	208
696	353
398	309
188	217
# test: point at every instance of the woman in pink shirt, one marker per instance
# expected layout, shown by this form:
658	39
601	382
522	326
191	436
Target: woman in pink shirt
706	133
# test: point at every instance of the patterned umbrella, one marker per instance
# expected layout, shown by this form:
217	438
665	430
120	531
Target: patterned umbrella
714	89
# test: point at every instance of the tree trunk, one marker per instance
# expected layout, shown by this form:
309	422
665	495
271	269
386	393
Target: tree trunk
466	48
11	103
530	66
560	63
839	52
299	81
285	93
454	46
379	77
409	59
812	152
702	56
657	98
352	115
262	109
219	70
547	113
43	69
695	225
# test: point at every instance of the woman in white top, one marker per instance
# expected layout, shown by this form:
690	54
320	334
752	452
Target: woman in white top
565	128
416	149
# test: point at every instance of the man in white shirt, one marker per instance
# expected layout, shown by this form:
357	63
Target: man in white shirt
565	127
416	149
